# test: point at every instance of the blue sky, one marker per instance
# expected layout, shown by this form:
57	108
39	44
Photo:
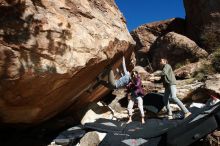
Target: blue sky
138	12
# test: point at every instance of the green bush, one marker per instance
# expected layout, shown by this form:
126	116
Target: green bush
216	60
205	70
210	38
210	66
181	64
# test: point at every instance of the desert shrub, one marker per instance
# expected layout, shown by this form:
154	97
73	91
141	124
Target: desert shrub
210	66
210	38
205	70
181	64
216	60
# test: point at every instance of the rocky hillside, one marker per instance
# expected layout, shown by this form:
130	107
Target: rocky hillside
191	46
51	53
197	34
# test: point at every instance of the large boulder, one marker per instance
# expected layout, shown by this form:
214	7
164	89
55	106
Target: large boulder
203	22
51	53
145	36
177	48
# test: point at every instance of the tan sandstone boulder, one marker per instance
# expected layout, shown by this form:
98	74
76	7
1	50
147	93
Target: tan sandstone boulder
145	36
177	49
51	53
